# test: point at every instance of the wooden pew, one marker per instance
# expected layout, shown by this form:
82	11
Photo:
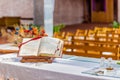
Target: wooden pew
91	43
97	46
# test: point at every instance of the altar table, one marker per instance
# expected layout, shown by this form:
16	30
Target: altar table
66	68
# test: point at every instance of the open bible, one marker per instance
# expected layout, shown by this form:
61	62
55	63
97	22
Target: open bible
44	46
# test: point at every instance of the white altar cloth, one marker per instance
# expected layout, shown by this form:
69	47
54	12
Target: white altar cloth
67	68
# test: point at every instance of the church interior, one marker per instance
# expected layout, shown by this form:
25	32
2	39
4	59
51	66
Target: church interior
59	40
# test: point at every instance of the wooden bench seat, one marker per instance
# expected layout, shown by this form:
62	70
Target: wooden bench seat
97	48
91	43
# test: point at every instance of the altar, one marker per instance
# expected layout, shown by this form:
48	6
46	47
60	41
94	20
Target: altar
66	68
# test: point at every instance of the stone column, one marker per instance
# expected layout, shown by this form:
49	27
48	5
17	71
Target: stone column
48	16
39	12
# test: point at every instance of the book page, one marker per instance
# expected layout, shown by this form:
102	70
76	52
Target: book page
59	50
49	46
29	49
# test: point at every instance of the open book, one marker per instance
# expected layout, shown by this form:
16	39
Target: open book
45	46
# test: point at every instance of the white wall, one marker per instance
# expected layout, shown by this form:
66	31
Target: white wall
68	11
23	8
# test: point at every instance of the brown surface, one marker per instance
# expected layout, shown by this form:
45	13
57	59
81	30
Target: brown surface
3	40
104	16
74	27
8	51
93	47
37	59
